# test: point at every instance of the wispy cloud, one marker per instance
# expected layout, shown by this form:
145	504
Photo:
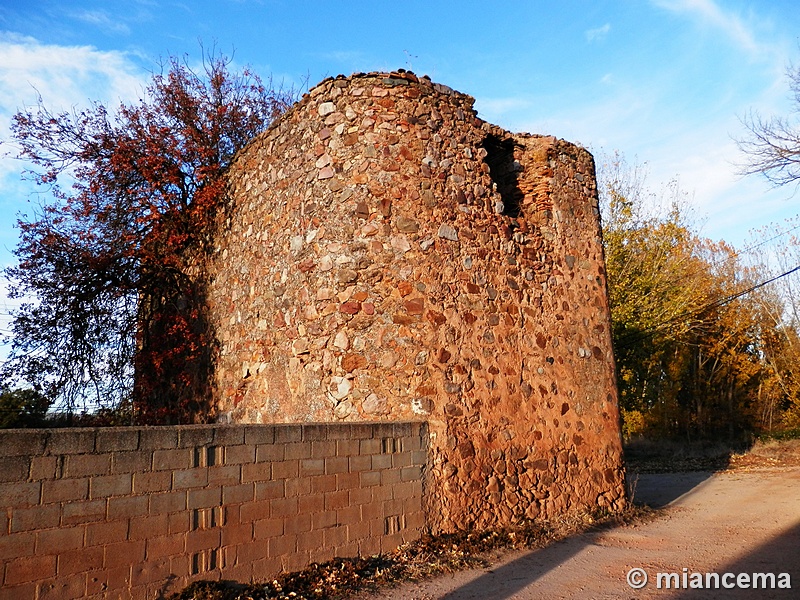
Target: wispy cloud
598	33
712	14
64	77
102	20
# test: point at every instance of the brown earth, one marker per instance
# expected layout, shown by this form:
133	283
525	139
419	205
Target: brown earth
742	519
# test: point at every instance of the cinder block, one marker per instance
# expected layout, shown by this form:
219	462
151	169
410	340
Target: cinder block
180	522
16	442
359	463
70	441
381	461
72	562
323	448
87	465
310	503
283	507
117	439
204	498
323	483
298	487
401	459
237	455
202	539
369	446
261	471
369	546
412	473
28	569
171	459
17	545
336	500
390	477
269	452
336	464
298	450
289	433
347	481
312	466
236	494
14	592
296	524
348	515
225	475
281	546
237	534
268	490
164	546
287	469
370	478
14	468
359	496
35	517
347	549
314	432
152	482
348	447
266	568
128	507
228	435
62	539
150	571
319	554
360	431
84	511
143	528
158	438
296	561
189	478
391	542
323	520
167	502
100	582
137	461
99	534
111	485
358	531
259	434
265	529
65	490
254	511
20	494
193	436
43	467
62	588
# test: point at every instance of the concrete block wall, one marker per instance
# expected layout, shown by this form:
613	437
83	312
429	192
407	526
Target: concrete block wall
138	513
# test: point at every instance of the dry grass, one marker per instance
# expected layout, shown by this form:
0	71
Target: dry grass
424	558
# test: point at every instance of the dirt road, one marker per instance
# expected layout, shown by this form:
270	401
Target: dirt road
740	522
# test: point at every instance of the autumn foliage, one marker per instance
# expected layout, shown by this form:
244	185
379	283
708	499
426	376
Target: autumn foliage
703	349
111	266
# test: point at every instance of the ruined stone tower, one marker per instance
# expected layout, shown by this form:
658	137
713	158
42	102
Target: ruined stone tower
387	255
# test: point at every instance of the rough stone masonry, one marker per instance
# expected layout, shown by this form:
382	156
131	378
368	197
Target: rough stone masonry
386	255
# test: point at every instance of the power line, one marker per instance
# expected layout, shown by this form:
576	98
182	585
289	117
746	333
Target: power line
638	336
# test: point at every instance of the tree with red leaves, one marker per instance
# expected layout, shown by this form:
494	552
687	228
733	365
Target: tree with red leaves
111	268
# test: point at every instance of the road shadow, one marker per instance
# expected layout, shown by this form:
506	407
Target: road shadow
655	490
779	555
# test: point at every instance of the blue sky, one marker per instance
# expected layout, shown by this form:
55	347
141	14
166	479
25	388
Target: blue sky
665	82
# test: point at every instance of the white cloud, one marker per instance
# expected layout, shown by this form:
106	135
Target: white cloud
65	77
598	34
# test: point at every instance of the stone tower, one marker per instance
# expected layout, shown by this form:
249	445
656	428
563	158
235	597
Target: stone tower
387	255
